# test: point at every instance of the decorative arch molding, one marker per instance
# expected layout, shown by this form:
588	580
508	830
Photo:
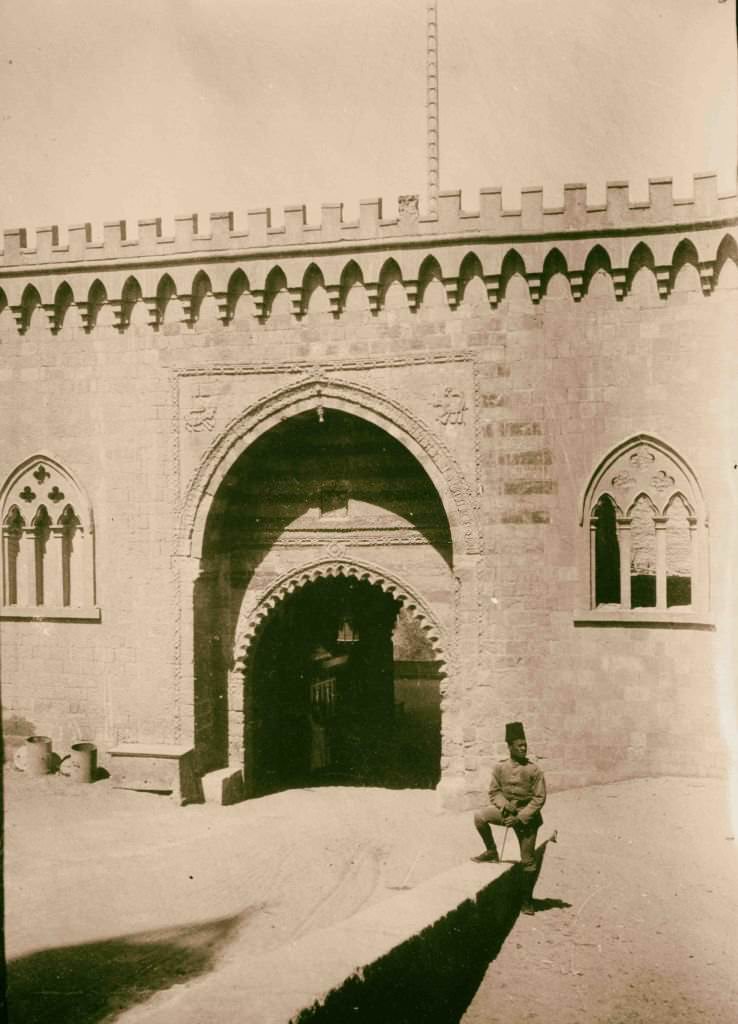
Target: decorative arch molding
44	469
323	393
647	535
48	567
257	608
600	484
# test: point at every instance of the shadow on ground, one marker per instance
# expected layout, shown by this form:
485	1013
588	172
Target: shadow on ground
550	904
433	977
95	981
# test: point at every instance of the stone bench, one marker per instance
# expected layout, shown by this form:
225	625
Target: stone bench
156	768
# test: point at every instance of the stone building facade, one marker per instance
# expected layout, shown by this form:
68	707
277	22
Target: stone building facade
248	465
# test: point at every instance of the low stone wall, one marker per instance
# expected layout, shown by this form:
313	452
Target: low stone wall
432	975
417	957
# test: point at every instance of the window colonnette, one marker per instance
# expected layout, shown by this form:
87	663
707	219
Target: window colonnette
647	536
47	545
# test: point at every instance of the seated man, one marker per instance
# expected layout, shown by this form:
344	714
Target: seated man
517	792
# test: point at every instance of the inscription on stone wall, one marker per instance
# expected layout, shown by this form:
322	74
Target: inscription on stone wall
520	429
201	414
451	406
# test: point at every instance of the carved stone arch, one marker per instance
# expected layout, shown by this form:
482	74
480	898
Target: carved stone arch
63	299
275	291
165	291
237	292
352	294
256	608
513	264
599	482
13	519
553	265
356	400
685	254
201	288
98	291
432	290
678	495
389	275
471	276
130	295
640	258
314	297
131	290
42	473
312	277
29	303
727	252
608	496
512	272
41	486
642	496
3	300
68	517
97	297
598	260
645	475
350	275
41	518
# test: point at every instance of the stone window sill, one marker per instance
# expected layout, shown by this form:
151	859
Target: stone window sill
644	618
41	613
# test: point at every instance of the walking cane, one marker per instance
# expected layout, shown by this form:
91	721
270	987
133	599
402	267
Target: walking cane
504	840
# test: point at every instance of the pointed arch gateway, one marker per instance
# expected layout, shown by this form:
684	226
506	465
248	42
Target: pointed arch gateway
330	393
290	577
343	708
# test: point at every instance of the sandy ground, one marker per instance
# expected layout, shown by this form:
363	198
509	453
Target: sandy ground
112	896
637	914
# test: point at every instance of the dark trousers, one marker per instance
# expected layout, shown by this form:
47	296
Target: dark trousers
526	834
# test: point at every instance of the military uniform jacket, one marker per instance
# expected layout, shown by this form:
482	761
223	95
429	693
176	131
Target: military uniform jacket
521	786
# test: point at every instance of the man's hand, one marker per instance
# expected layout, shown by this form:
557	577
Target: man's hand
510	812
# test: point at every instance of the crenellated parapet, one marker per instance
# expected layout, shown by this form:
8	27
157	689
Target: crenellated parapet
114	275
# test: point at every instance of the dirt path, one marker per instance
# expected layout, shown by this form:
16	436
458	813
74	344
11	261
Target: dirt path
115	896
112	896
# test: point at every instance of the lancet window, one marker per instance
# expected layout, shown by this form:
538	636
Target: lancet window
47	544
647	532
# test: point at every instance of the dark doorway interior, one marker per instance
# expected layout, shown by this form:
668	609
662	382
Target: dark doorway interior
327	701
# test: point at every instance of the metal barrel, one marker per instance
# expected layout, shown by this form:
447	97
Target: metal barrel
83	762
38	755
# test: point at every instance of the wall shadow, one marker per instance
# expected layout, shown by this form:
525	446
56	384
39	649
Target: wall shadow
432	978
97	980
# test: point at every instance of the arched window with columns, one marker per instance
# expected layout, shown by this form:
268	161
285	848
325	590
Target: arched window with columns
48	569
646	531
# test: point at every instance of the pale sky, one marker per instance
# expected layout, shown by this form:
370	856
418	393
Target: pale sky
141	108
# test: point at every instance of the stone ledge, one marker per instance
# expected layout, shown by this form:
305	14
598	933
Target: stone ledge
42	614
419	955
643	618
